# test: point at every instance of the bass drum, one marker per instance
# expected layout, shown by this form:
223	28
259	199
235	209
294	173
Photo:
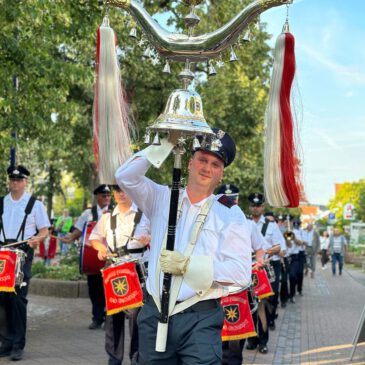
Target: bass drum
89	262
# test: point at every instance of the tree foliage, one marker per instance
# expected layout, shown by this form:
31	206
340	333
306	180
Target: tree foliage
50	46
349	193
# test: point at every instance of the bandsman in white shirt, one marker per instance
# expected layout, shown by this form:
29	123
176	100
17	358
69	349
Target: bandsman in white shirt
102	194
302	244
23	218
221	257
232	350
117	229
274	238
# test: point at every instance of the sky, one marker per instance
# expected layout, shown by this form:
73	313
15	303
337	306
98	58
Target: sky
330	55
330	89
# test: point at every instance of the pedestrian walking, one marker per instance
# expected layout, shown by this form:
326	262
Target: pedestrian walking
325	242
337	247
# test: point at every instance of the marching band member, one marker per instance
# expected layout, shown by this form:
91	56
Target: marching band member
273	236
222	254
128	222
232	350
95	281
21	217
301	243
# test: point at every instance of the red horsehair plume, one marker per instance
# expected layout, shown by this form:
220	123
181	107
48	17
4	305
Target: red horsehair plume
110	113
282	165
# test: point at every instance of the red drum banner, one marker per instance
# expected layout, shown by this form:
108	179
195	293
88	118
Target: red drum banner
122	288
7	270
261	284
238	323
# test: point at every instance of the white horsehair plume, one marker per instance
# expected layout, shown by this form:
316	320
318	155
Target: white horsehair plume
111	122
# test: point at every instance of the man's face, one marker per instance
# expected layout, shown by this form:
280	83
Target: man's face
336	232
121	197
205	170
256	210
103	199
309	226
17	185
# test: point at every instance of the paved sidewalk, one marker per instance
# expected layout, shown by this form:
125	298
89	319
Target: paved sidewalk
317	330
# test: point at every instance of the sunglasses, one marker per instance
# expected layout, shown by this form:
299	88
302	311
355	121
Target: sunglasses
255	205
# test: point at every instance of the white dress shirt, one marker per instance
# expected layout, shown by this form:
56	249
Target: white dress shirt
225	237
124	227
13	215
257	239
87	216
273	236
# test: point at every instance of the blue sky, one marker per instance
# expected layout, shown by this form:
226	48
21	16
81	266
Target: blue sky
330	52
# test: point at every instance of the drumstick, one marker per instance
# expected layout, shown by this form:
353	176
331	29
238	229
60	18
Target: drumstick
131	237
21	242
14	244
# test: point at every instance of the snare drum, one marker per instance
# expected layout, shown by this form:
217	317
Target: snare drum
89	261
11	269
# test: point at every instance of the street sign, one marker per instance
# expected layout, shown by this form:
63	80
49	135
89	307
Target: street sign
331	218
348	212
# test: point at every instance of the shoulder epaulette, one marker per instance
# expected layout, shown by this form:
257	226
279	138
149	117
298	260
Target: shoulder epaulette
226	201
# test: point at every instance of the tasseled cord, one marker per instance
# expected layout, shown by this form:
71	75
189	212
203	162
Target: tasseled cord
281	169
110	113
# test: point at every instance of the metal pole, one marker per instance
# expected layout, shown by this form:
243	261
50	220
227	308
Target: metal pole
13	133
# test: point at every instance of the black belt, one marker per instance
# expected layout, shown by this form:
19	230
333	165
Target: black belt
202	306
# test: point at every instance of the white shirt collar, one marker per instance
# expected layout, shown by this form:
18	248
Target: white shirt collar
185	199
132	209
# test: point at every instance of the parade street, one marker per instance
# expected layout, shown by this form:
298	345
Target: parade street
317	329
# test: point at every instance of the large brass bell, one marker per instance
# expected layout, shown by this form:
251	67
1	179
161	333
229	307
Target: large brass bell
183	112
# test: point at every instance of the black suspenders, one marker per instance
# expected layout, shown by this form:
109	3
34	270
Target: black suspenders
28	210
113	226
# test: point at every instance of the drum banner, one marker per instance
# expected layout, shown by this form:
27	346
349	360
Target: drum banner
261	284
122	288
7	271
238	323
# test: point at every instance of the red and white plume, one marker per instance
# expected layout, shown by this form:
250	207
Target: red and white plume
282	165
110	113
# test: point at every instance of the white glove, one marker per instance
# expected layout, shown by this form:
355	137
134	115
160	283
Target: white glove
173	262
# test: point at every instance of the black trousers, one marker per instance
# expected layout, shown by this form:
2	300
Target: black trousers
96	295
301	262
284	289
293	274
14	307
262	337
274	299
194	337
232	352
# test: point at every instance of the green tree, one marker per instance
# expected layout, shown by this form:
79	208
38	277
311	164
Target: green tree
50	46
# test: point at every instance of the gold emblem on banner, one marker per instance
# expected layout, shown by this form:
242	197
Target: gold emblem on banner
2	266
120	286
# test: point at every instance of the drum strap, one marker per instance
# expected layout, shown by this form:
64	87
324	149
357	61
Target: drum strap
113	227
28	210
94	212
264	227
1	217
